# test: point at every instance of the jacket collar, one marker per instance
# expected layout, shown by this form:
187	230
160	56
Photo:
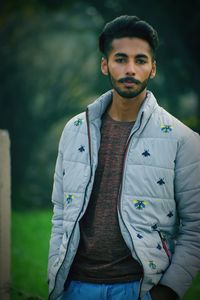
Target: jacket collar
98	107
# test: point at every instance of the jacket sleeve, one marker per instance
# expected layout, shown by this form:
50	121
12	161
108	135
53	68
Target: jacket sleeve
57	219
186	259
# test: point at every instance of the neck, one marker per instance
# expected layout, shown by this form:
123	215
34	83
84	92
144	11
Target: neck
125	109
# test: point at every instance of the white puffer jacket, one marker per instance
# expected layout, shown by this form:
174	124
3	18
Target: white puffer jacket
159	201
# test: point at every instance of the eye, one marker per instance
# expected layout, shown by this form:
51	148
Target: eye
140	61
120	60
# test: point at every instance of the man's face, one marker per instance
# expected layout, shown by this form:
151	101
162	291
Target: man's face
129	66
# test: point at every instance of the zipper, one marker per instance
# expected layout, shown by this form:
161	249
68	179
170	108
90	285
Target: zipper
164	244
90	159
89	140
119	200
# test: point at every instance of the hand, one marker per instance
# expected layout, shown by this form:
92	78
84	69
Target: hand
162	292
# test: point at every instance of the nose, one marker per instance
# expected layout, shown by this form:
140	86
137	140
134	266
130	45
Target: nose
130	68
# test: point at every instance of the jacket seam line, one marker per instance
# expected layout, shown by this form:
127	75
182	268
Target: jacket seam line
144	196
156	137
75	161
186	191
152	166
191	164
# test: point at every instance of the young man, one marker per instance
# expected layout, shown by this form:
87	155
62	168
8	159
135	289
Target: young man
126	222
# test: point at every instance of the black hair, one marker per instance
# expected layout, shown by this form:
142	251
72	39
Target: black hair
127	26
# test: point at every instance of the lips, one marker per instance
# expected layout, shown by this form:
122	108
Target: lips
129	84
129	81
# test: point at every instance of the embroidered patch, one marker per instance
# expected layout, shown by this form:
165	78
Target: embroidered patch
170	214
166	128
78	122
146	153
56	263
159	247
69	198
154	227
81	149
152	264
140	204
152	281
161	181
139	236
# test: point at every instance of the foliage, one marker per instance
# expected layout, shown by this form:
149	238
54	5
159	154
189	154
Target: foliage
50	71
44	79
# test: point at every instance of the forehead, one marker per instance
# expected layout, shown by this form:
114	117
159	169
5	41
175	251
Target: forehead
130	47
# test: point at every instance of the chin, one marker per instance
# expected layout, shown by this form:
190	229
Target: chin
128	96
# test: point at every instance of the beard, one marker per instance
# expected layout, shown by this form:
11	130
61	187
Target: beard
129	92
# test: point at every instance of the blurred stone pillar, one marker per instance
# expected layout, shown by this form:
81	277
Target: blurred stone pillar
5	215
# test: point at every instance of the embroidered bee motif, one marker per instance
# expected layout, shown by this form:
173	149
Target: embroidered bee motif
140	204
146	153
161	181
154	227
78	122
159	247
170	214
81	149
139	236
152	264
69	198
166	128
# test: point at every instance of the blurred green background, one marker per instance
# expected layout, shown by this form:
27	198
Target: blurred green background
50	70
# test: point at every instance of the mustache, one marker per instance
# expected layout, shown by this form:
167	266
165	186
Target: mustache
129	79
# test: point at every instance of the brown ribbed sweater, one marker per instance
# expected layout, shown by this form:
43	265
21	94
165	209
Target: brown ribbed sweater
102	255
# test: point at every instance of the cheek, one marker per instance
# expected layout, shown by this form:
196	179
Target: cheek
144	73
116	70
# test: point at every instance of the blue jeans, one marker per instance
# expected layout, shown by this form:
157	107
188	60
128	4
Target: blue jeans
78	290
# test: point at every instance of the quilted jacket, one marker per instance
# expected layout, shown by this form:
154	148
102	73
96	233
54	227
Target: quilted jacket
159	198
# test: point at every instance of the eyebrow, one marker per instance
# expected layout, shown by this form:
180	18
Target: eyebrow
139	55
120	54
142	56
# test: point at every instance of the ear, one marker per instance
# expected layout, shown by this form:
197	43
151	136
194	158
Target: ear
104	66
153	70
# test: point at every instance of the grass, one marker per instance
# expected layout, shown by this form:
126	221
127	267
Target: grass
30	242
